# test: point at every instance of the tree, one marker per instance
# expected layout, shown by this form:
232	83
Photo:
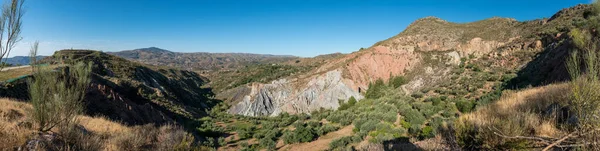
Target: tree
57	96
33	55
375	89
10	27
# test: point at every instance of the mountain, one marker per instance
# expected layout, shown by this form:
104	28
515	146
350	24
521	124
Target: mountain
431	53
21	60
198	60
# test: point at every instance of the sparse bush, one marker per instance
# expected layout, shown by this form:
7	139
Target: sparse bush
585	98
57	97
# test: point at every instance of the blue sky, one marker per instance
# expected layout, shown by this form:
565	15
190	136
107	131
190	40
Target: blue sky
287	27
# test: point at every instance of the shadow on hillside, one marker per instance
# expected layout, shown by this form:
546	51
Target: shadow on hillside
548	66
400	144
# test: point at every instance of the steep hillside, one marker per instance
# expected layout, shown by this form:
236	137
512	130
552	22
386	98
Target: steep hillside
199	60
133	93
429	52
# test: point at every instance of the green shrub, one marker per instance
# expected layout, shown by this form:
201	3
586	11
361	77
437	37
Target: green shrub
385	132
340	142
244	134
405	124
268	143
417	95
414	117
343	117
57	97
350	103
397	81
368	126
427	132
289	137
302	133
414	129
465	106
434	100
375	89
326	129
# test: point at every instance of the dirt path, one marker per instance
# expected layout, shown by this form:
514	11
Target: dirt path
320	144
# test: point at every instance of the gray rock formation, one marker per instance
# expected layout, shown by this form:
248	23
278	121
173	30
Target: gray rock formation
323	91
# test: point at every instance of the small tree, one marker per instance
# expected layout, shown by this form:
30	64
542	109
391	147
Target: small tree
57	96
33	56
10	27
585	98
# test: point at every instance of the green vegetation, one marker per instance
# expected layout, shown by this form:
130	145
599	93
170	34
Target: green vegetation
57	97
555	116
397	81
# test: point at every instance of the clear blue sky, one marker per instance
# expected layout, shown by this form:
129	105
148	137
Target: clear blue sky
289	27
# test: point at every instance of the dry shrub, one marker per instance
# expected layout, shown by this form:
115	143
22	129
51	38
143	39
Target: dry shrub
14	127
526	113
174	138
149	137
91	133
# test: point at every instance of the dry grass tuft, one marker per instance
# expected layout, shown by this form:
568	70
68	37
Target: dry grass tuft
93	133
14	127
524	113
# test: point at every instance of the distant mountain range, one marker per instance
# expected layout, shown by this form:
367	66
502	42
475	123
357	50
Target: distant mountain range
198	60
21	60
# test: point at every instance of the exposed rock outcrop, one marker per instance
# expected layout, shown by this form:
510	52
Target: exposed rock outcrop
350	75
426	48
323	91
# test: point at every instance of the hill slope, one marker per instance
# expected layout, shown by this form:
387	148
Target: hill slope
431	52
133	93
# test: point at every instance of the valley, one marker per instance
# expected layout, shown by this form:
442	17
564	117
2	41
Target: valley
493	84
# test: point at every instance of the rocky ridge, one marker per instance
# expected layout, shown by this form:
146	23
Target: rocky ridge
407	53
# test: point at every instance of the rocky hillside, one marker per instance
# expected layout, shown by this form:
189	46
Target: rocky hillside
198	60
133	93
427	52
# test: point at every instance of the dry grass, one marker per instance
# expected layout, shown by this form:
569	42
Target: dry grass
100	133
13	124
523	113
15	73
